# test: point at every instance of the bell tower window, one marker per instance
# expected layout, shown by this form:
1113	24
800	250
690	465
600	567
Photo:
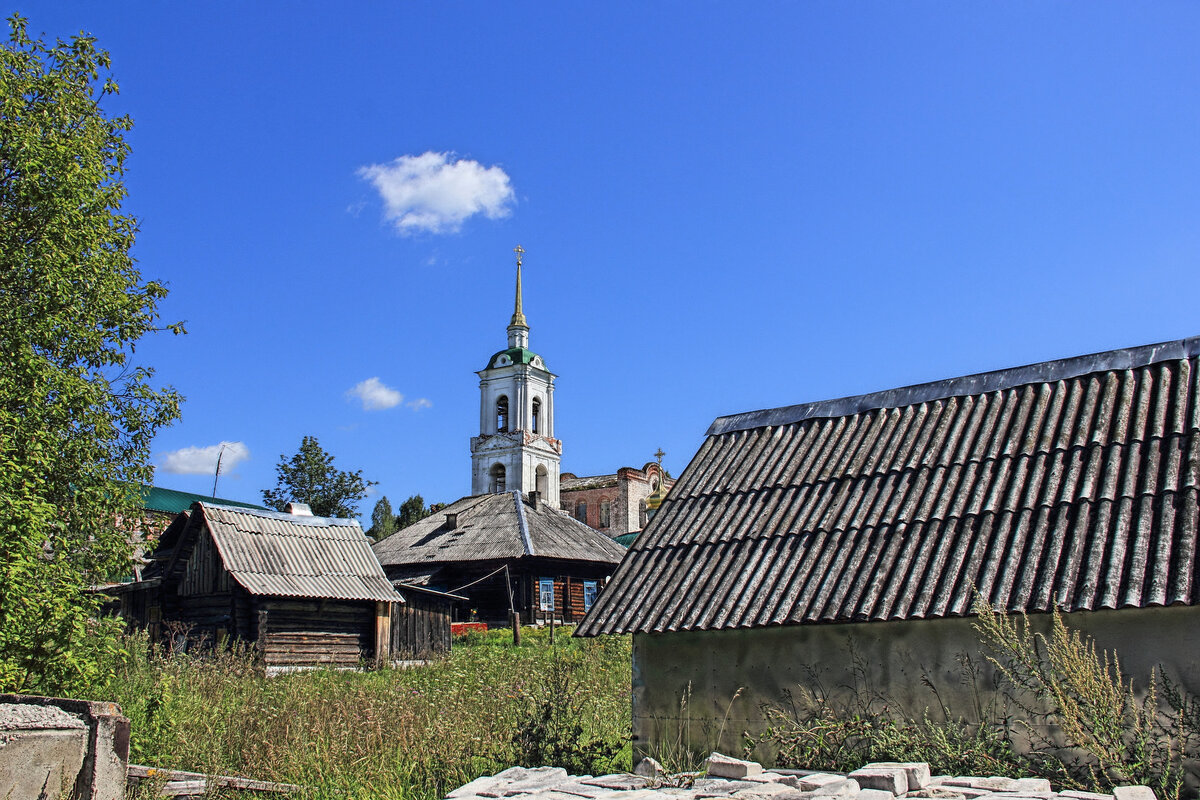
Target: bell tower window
502	415
537	414
497	482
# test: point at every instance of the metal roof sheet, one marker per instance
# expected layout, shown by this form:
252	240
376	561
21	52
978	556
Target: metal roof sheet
172	501
492	527
282	555
1070	484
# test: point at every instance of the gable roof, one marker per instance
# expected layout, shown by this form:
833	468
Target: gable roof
496	526
172	501
281	555
1068	484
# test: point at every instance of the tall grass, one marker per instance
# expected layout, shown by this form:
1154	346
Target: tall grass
388	733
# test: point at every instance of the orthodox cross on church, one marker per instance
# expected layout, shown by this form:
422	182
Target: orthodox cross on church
659	455
520	251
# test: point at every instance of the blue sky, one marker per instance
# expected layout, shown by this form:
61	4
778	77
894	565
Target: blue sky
724	206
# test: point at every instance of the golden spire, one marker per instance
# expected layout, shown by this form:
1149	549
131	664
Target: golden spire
518	317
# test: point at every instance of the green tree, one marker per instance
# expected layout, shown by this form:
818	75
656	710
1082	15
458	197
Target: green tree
383	521
77	414
412	510
310	477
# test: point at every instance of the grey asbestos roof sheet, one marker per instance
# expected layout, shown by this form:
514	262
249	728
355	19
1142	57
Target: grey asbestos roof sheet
496	526
281	555
1070	484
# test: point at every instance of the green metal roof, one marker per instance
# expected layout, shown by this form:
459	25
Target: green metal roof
626	539
517	355
172	501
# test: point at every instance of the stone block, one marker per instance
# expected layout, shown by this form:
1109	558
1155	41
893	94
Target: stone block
875	794
650	768
1028	786
476	786
885	779
838	787
993	783
621	782
816	780
945	792
719	787
723	766
765	789
1133	793
917	772
1072	794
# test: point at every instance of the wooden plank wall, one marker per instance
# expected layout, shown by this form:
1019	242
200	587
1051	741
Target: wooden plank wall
303	632
420	626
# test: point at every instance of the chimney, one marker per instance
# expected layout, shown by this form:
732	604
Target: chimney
298	509
535	500
452	520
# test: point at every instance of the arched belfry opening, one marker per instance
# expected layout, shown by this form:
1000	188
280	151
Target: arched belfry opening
502	415
497	483
542	480
536	414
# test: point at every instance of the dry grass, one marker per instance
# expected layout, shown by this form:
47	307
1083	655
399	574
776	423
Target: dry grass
411	733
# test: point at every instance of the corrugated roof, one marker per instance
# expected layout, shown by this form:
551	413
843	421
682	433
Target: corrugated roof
496	526
172	501
283	555
1068	484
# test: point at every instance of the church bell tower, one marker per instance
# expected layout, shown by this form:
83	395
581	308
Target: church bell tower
516	448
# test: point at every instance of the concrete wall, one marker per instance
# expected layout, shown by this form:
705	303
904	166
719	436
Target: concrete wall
894	658
52	747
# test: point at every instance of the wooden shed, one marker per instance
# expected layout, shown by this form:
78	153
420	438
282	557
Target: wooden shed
305	590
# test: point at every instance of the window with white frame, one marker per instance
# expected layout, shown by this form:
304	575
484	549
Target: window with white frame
590	588
546	594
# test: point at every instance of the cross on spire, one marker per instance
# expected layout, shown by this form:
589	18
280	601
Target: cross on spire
659	455
520	251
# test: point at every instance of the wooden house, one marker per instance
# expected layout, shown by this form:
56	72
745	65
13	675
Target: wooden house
505	551
844	543
304	590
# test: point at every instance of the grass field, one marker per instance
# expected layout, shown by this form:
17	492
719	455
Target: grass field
384	733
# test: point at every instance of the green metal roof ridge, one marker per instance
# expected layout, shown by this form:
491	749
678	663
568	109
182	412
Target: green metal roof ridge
172	501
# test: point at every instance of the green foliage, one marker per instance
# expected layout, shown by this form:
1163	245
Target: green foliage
383	521
310	477
413	510
1095	727
77	415
406	734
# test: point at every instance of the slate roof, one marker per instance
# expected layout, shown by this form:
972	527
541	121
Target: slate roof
493	527
282	555
1068	484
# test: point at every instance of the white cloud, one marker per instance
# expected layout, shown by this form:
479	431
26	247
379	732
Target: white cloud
203	460
435	193
375	395
419	403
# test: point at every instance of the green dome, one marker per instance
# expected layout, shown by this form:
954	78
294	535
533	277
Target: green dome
516	355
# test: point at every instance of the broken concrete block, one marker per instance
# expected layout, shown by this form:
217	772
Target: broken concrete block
723	766
885	779
622	782
994	783
917	772
719	787
945	792
875	794
650	768
1026	786
476	786
767	789
1071	794
826	785
1133	793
